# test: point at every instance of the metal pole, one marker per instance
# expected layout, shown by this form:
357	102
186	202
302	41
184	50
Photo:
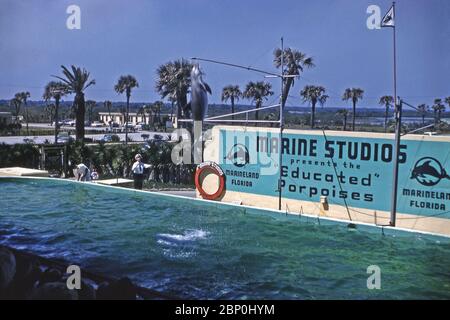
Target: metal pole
281	126
198	141
395	58
61	153
398	129
56	119
65	161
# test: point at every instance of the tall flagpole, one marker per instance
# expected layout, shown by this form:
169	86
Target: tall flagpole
398	120
280	142
395	58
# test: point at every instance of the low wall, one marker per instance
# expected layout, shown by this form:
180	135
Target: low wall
22	172
343	175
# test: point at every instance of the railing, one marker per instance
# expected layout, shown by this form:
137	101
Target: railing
216	119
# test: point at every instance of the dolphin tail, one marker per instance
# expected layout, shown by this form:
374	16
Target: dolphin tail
445	175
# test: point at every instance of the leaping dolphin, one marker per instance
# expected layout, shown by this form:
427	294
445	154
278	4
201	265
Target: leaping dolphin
199	95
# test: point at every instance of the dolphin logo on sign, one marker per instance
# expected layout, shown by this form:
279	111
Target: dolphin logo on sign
428	172
238	155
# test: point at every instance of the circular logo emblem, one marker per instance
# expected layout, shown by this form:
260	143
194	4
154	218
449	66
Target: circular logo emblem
428	171
238	155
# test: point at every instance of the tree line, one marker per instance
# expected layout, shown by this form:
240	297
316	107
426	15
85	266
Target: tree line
173	83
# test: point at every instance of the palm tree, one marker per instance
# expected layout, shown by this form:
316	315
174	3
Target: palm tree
447	101
294	62
438	108
15	104
22	98
148	110
354	94
77	81
173	80
314	94
343	113
232	93
108	105
55	90
423	109
153	113
126	84
173	99
123	112
157	106
257	92
50	112
271	117
387	102
90	104
141	112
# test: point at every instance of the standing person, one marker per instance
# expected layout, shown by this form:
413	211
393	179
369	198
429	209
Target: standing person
83	173
138	171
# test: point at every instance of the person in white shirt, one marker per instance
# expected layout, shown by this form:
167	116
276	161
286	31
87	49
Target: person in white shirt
83	172
94	174
138	171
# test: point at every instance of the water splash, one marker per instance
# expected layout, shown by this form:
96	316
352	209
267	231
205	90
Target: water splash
188	235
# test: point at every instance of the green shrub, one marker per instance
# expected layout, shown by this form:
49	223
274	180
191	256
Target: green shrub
110	160
19	155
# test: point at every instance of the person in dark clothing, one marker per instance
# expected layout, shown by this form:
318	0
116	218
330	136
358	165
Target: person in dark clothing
138	171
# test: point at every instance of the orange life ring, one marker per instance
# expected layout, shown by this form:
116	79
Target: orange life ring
214	168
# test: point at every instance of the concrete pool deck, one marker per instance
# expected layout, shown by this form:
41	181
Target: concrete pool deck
117	182
23	172
127	183
180	193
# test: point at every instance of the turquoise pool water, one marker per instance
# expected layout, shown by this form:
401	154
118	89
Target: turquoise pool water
196	250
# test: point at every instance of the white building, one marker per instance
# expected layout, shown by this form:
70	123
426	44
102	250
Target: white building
134	118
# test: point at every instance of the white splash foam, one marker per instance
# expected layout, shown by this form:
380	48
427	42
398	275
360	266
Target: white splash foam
178	254
165	243
188	235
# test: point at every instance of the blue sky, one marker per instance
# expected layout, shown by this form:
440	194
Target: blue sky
135	36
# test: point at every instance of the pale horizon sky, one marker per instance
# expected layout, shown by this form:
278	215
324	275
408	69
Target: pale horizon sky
120	37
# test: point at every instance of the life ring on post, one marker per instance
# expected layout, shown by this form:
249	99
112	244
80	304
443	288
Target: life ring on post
213	168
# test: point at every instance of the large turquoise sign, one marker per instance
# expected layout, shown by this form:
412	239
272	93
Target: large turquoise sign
356	171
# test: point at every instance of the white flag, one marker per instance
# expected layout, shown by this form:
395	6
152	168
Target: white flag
388	19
